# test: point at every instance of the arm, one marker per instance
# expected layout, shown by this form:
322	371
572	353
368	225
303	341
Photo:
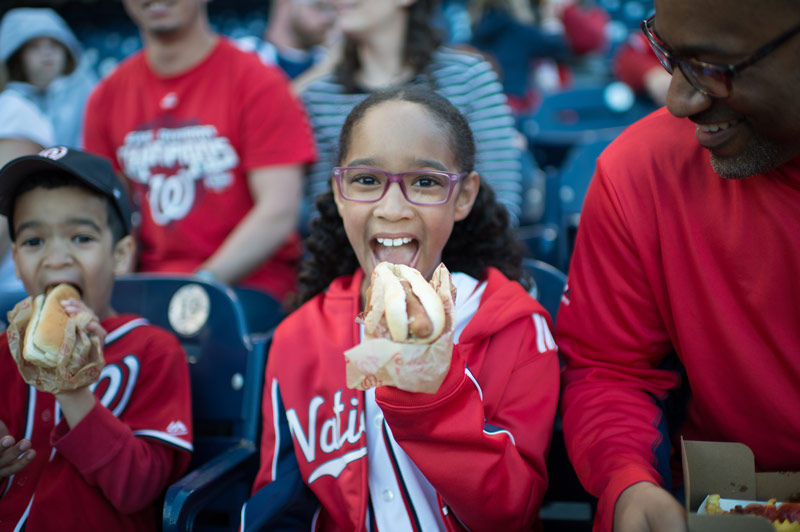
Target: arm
132	472
490	480
276	195
612	338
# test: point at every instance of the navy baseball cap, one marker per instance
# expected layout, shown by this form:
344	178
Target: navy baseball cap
92	170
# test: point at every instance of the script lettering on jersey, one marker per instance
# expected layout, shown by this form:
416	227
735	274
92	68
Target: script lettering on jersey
328	435
170	162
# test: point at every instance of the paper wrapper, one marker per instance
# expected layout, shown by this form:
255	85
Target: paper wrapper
378	361
80	360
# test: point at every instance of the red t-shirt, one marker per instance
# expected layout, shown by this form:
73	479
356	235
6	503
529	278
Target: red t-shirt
106	472
671	258
186	143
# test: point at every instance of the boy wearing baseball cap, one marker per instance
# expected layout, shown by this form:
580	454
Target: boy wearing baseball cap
99	456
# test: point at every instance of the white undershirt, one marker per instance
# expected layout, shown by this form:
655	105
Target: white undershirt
384	488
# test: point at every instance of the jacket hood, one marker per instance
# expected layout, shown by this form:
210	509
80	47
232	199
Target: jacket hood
22	24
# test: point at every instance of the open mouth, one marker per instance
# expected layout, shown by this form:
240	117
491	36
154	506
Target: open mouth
397	250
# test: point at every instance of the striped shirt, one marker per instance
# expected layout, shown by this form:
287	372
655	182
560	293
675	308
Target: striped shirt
469	83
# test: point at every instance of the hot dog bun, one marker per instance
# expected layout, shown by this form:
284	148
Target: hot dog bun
44	334
408	315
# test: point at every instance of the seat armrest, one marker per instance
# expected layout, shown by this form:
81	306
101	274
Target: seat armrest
192	493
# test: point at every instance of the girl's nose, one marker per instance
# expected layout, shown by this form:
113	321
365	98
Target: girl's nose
393	205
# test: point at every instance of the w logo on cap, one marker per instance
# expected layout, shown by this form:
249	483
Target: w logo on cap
55	153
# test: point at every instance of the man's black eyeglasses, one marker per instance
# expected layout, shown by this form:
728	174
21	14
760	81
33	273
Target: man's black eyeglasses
708	78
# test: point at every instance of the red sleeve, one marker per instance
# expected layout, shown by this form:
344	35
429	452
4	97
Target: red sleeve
275	129
491	480
132	472
585	28
633	60
612	338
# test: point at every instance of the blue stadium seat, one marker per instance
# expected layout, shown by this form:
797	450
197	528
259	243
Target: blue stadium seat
574	178
227	373
9	298
262	312
580	116
549	284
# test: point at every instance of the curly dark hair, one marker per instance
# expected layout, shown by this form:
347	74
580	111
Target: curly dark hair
484	238
422	39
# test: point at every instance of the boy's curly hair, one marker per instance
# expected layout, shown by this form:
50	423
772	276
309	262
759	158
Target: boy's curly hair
484	238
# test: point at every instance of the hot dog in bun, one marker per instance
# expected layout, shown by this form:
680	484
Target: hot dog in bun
44	335
403	306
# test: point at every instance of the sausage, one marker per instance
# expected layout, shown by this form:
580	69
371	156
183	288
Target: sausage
419	323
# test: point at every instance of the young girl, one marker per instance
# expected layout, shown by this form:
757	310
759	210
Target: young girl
471	455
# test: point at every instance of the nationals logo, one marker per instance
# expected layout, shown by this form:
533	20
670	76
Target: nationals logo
170	161
328	435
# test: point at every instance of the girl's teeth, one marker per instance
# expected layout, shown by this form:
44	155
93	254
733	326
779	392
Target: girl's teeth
389	242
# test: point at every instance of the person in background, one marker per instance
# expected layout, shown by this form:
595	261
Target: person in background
522	45
95	457
635	63
468	456
213	144
688	249
390	43
24	130
296	34
43	58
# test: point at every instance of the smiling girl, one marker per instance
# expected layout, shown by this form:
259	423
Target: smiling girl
471	455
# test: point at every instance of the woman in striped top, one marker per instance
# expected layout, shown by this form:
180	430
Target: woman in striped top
390	43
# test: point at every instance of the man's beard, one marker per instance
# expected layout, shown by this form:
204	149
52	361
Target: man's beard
760	156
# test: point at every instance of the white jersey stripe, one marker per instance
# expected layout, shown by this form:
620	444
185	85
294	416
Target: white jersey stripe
21	523
163	436
276	428
124	329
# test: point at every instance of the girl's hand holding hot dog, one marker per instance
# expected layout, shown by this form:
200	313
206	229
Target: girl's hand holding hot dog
408	331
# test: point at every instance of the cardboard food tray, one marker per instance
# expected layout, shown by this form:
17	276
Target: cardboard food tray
729	469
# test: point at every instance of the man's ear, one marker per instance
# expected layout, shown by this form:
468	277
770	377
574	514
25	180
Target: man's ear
466	196
124	254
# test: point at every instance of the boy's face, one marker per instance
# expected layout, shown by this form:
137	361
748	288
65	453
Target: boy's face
62	235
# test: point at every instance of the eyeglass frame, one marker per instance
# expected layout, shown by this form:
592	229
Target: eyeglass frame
452	177
727	71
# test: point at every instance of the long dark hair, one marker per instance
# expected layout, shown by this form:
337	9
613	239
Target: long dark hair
484	238
422	39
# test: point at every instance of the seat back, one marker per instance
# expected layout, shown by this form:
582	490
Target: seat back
262	312
209	323
549	284
9	298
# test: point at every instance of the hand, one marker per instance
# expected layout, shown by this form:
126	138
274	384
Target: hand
645	507
76	306
13	457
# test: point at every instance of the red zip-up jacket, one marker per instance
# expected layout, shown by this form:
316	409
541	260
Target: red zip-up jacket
485	478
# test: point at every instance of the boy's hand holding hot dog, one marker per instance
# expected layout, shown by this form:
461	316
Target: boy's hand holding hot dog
408	330
56	340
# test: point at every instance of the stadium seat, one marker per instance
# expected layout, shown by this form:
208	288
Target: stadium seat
574	178
262	312
567	506
581	116
227	373
9	298
549	284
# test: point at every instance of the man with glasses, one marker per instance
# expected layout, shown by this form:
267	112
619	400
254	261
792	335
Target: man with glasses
689	248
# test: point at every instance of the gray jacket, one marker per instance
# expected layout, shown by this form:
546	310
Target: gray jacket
64	100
